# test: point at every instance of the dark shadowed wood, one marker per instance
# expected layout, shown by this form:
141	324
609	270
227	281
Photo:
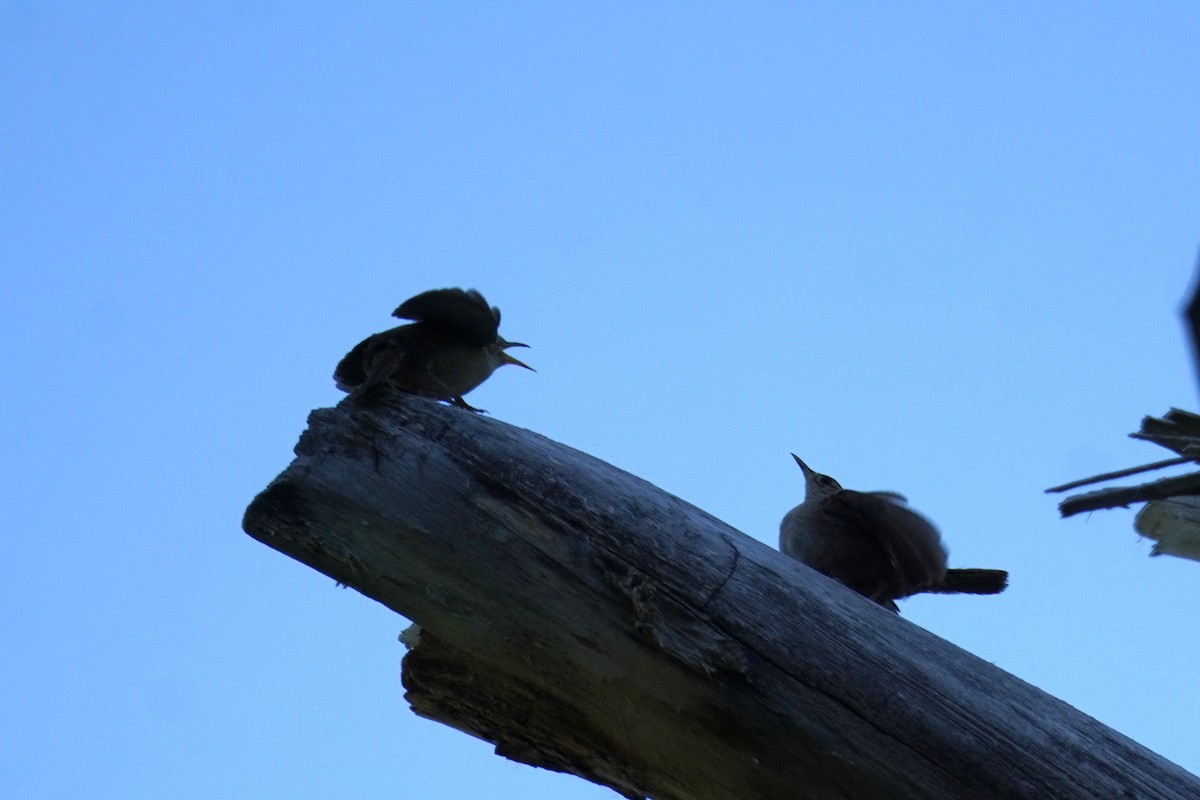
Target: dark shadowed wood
585	621
1124	496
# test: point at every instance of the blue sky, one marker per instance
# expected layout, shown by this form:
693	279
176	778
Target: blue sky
936	248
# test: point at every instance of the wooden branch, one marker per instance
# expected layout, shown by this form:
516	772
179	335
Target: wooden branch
1177	430
585	621
1123	496
1121	473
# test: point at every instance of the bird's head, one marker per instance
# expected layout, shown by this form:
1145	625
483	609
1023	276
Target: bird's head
815	484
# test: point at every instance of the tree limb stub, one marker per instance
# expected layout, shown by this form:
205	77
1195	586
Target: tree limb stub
585	621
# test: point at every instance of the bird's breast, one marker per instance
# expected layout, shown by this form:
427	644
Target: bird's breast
460	369
802	538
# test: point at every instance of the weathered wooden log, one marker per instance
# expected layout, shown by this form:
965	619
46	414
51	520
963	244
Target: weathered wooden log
585	621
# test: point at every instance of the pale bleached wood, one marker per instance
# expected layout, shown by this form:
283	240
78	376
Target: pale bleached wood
1173	524
588	622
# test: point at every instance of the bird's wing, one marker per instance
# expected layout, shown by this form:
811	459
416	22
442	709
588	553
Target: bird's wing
350	371
454	312
895	497
372	361
912	544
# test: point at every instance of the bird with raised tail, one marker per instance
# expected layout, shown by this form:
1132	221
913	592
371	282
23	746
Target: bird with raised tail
452	346
873	543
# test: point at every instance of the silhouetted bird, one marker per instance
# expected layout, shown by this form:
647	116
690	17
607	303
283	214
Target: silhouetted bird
874	543
452	346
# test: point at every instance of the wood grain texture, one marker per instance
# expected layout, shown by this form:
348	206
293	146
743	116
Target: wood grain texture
585	621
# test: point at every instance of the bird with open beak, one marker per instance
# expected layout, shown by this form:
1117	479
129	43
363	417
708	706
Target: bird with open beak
452	345
873	543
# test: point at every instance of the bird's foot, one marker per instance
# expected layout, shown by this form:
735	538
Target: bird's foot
463	404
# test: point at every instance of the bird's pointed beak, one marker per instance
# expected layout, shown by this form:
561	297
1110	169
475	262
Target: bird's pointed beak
505	358
803	466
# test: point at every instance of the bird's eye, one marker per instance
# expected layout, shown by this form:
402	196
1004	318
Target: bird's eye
828	481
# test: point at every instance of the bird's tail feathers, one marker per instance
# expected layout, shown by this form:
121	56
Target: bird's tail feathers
972	581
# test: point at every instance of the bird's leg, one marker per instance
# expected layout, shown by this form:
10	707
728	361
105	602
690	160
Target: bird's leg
447	393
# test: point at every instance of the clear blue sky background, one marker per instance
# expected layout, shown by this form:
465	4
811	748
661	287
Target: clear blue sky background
931	247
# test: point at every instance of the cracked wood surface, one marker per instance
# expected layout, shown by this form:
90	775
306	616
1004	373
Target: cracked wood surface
585	621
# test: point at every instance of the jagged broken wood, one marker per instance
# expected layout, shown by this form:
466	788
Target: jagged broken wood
587	622
1170	516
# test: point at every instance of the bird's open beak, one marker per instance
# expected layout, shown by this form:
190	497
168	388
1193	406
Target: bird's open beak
505	358
803	466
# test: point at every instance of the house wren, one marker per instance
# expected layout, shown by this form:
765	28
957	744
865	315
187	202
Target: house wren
452	346
873	543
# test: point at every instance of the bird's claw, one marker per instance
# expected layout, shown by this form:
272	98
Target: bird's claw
463	404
